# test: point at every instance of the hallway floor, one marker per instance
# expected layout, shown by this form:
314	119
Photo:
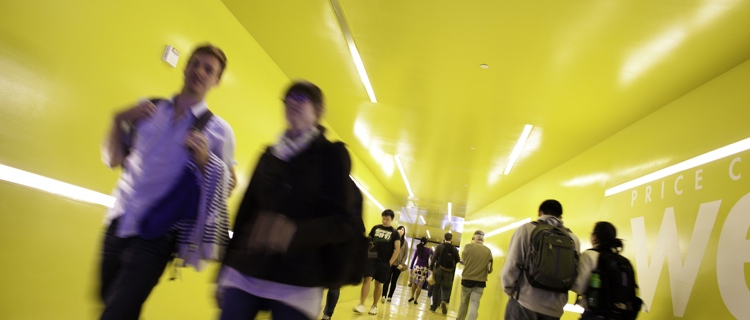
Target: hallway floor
399	308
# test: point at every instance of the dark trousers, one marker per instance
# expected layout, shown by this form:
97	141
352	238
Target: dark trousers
130	269
240	305
515	311
390	285
441	291
332	298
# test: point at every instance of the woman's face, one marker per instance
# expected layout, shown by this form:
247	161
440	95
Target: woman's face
401	232
300	111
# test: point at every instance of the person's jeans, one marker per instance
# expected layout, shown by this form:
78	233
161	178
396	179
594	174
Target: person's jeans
515	311
130	269
240	305
389	287
441	291
469	300
332	298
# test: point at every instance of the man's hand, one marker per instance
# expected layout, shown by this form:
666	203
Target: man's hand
142	111
197	143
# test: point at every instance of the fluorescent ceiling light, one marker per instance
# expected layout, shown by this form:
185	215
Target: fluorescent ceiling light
519	147
511	226
682	166
403	175
421	218
353	50
54	186
428	234
369	196
450	207
654	51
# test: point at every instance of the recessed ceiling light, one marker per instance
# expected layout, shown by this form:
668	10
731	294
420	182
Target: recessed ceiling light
472	148
484	66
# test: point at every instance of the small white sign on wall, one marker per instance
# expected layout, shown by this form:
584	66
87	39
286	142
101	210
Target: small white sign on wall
171	56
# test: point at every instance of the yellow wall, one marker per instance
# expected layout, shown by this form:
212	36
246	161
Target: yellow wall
65	68
682	244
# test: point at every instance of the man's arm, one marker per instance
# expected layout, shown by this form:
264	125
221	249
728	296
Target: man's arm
511	272
115	149
489	266
396	250
435	257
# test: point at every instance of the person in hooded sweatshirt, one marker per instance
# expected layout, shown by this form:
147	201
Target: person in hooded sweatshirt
532	303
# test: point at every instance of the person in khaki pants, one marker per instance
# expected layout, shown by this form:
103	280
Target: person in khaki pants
477	260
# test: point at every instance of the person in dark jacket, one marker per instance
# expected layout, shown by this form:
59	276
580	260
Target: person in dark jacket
299	216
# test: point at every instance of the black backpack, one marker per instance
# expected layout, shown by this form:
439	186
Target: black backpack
552	261
448	256
617	294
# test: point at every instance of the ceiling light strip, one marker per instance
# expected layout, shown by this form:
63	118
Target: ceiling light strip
450	209
421	218
353	49
707	157
53	186
511	226
403	175
519	147
367	194
428	234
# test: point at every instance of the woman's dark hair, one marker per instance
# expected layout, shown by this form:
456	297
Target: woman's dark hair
399	228
420	246
606	235
309	90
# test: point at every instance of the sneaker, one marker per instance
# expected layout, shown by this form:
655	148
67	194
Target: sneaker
416	302
359	309
444	307
373	310
389	299
382	299
411	299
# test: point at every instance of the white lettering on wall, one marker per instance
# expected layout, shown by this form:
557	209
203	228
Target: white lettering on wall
676	181
682	277
648	194
633	196
698	179
732	254
662	189
731	169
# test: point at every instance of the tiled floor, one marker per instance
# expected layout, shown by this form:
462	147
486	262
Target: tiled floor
399	308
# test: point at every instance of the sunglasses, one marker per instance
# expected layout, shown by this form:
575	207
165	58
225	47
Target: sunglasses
296	97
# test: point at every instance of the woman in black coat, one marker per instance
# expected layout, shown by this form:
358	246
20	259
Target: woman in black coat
299	228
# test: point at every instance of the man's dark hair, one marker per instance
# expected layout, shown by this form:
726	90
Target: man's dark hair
448	236
551	207
388	212
212	50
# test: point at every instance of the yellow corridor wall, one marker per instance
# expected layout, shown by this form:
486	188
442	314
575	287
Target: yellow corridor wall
65	68
685	234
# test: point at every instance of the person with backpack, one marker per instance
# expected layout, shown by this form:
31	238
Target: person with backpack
177	161
541	266
443	266
606	280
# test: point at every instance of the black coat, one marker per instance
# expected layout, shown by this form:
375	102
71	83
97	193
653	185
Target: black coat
314	190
